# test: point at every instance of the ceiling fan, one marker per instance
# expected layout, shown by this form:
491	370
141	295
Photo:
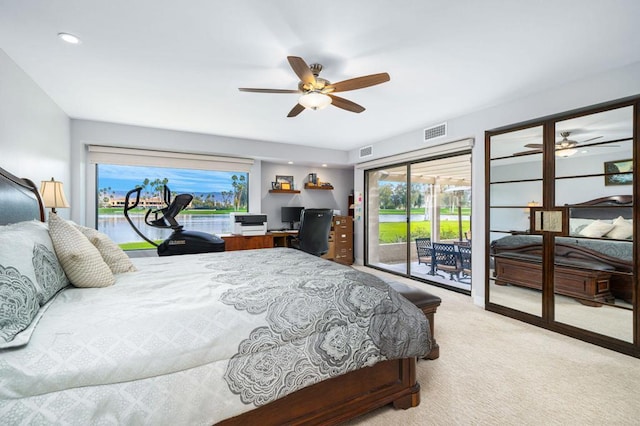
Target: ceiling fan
317	93
564	148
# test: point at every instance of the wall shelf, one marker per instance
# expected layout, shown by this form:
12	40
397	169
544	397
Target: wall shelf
326	188
284	191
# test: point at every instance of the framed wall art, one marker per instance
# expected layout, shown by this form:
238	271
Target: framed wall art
286	182
625	167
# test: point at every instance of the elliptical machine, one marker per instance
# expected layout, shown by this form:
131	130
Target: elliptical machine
180	241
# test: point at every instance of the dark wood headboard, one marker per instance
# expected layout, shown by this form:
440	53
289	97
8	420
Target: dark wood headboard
603	208
19	199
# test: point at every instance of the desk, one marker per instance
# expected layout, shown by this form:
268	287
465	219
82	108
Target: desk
248	242
282	238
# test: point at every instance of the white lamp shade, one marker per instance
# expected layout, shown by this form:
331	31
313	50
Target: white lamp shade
52	194
566	152
314	100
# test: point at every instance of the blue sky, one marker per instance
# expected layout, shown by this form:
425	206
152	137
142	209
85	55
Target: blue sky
125	178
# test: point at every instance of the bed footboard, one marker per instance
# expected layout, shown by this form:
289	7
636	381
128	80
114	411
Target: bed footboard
339	399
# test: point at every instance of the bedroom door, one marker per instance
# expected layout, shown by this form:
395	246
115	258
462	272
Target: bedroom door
561	236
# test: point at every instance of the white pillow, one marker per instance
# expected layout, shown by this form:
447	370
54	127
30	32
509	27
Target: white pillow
578	224
622	229
596	229
111	253
30	275
81	261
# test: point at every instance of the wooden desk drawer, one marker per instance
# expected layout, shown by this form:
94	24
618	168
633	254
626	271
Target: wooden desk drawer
241	242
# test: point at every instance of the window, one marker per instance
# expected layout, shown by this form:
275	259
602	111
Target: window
216	192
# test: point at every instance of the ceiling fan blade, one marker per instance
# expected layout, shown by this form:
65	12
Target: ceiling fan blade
295	110
248	89
592	139
359	82
346	104
301	69
534	145
533	151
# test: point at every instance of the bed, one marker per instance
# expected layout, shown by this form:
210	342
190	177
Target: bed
594	263
254	337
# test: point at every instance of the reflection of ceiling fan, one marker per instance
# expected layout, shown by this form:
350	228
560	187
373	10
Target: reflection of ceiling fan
317	93
564	148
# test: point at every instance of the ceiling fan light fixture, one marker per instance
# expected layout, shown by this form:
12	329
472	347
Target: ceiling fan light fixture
566	152
69	38
314	100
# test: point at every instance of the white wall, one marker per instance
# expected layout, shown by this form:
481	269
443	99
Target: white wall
34	131
615	84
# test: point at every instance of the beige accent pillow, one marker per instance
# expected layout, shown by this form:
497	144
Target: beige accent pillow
622	229
81	261
111	253
596	229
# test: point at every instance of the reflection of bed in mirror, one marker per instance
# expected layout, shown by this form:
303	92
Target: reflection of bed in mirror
594	263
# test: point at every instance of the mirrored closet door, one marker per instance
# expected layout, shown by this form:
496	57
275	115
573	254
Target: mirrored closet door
560	224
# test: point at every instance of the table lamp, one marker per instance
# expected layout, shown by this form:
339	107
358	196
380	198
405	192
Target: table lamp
53	195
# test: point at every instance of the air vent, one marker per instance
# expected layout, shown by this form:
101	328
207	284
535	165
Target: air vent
367	151
435	131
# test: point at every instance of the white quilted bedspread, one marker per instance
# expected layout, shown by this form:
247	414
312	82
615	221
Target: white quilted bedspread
196	339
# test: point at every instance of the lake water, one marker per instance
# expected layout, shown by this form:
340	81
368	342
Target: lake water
120	231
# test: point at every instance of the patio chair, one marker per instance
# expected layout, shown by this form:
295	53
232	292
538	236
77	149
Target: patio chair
447	259
465	261
425	253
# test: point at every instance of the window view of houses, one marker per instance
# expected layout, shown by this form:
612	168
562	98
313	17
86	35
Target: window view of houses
216	194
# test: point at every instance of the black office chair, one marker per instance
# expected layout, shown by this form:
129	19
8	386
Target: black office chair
313	235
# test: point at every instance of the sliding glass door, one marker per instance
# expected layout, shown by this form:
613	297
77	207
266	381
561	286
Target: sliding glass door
387	218
414	207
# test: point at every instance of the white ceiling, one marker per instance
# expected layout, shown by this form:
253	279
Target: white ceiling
177	65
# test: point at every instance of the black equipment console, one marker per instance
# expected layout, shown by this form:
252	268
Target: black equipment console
180	241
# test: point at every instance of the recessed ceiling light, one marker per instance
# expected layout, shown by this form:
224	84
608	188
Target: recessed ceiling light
324	165
69	38
290	162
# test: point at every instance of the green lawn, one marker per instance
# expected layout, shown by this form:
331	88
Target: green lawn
138	245
394	232
466	211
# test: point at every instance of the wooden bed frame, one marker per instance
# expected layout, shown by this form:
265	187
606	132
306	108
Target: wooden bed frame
591	277
329	402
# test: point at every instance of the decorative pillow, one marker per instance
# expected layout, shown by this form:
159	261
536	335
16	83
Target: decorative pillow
578	224
18	305
80	260
622	229
30	275
111	253
596	229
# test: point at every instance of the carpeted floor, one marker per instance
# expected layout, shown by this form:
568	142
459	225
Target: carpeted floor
494	370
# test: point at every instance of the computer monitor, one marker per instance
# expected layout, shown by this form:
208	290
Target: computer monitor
290	215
